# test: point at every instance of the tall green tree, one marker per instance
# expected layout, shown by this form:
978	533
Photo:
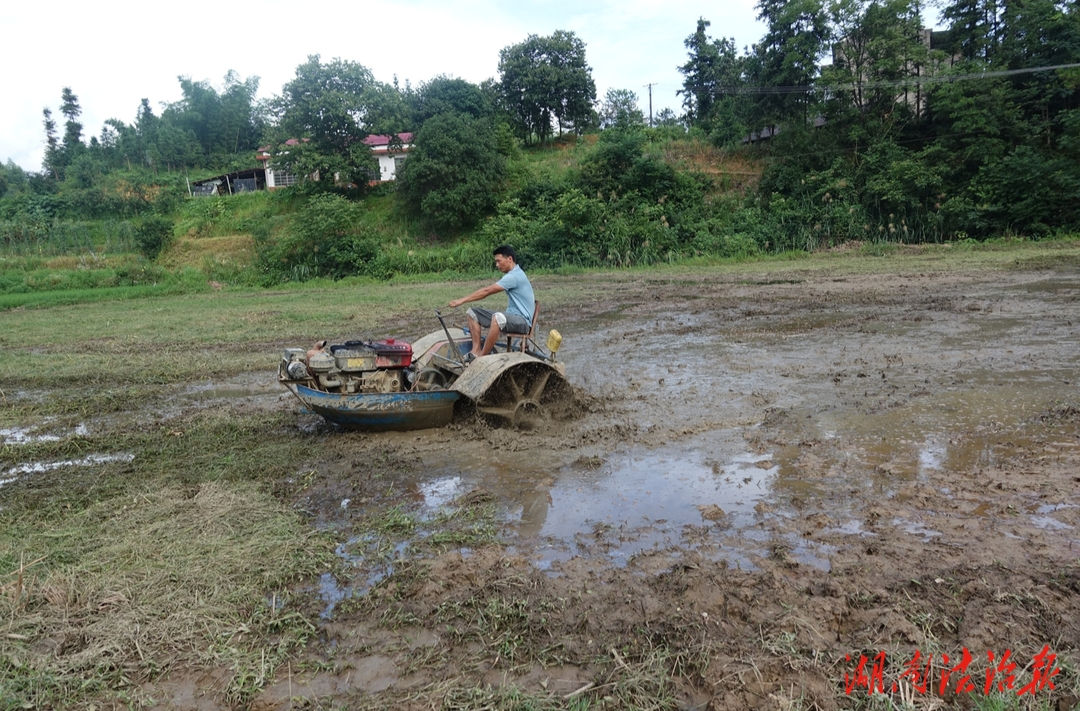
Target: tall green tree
12	177
787	59
1040	33
72	145
51	163
221	123
148	128
329	108
620	110
878	57
454	173
388	109
974	26
445	94
713	72
545	82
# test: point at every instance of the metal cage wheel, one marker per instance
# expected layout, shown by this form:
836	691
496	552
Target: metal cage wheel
523	396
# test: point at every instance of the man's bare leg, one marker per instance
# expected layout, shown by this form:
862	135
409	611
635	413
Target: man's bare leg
492	337
474	334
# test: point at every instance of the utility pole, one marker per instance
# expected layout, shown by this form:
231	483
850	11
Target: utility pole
650	86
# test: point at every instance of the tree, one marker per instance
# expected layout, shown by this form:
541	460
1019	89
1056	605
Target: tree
219	124
453	173
877	54
786	59
445	94
330	106
52	145
153	235
973	28
387	109
72	145
727	128
545	80
712	72
620	110
618	165
1041	33
666	117
14	177
147	127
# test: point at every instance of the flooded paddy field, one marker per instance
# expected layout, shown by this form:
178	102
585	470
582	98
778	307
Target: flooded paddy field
760	482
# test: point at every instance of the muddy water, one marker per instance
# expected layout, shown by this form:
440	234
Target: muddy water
757	421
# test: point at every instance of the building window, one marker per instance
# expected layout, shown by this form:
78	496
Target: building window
283	179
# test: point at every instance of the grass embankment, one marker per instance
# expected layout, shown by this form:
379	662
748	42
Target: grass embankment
185	555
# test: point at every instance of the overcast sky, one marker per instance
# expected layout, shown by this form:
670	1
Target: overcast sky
115	52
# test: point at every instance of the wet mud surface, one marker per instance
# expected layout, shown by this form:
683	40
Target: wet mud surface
760	482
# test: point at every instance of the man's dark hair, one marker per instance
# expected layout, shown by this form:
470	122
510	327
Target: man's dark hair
506	251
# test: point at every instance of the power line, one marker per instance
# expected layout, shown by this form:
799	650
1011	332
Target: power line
909	82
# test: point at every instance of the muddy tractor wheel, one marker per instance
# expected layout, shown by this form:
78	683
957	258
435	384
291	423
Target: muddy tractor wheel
514	387
525	395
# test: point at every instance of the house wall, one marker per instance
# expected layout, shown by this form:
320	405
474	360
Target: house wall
388	166
279	179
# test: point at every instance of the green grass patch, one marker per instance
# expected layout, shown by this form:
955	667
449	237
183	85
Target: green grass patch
67	297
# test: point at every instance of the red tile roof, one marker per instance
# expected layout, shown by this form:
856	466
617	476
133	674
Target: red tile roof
372	140
381	140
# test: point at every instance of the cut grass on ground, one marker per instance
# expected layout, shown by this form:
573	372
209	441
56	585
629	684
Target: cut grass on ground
117	573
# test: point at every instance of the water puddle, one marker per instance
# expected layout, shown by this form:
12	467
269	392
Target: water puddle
440	492
638	502
660	490
969	426
1046	286
849	528
246	385
916	529
365	573
1049	524
28	435
41	467
1051	508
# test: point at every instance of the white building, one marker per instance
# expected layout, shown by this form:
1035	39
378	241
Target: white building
389	152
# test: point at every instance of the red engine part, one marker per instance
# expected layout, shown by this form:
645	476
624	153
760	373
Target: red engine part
392	354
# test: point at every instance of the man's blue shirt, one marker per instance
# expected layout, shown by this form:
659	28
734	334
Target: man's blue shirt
520	292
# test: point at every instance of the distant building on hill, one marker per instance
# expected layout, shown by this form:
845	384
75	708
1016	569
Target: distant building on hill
389	152
238	181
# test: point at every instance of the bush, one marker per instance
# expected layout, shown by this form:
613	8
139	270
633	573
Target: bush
454	172
153	235
327	238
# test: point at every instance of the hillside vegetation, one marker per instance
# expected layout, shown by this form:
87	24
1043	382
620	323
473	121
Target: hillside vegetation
907	136
618	199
